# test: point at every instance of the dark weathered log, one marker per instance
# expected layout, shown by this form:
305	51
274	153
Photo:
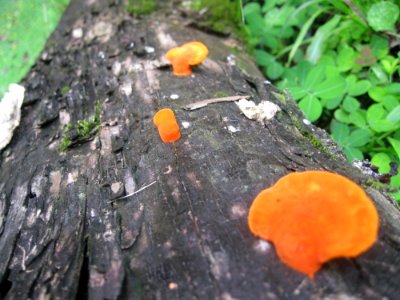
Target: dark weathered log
64	233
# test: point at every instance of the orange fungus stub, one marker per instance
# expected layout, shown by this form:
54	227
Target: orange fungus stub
167	125
187	55
314	216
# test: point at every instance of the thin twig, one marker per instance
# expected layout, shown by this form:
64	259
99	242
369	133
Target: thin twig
205	102
135	192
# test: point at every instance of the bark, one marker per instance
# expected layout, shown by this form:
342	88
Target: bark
63	232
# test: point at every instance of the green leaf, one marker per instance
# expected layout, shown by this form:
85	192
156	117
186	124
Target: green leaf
379	73
311	107
382	161
317	45
314	76
358	119
331	88
340	132
333	103
346	58
251	8
302	70
297	92
377	93
383	15
359	88
270	41
379	46
390	102
396	145
395	182
376	115
302	34
394	88
359	137
342	116
274	70
255	21
263	58
394	115
353	153
350	104
390	64
278	16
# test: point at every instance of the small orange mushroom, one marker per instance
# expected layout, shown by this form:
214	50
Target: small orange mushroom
314	216
187	55
167	125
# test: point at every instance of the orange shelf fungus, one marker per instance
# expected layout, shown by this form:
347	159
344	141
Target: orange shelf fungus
167	125
314	216
187	55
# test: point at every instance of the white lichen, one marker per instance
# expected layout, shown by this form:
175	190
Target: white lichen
10	112
149	49
262	112
233	129
77	33
185	124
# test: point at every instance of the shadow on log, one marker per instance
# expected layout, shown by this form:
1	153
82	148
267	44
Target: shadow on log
65	235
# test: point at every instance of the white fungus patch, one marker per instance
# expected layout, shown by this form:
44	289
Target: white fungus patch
77	33
233	129
174	96
10	112
72	177
130	185
262	246
262	112
149	49
227	296
126	88
238	210
116	68
64	117
168	170
185	124
115	187
231	60
307	122
173	286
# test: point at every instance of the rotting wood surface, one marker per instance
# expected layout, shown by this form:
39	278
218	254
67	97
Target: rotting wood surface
184	237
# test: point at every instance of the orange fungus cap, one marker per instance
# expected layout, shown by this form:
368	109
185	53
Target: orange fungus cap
183	57
167	125
314	216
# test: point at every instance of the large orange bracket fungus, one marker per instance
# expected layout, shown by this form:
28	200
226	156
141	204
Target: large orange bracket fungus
314	216
187	55
167	125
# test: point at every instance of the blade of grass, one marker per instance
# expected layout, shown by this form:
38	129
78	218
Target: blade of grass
302	35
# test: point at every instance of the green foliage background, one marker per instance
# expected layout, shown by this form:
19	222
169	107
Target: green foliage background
24	28
340	61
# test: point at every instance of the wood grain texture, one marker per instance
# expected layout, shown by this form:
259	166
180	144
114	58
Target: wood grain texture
186	236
